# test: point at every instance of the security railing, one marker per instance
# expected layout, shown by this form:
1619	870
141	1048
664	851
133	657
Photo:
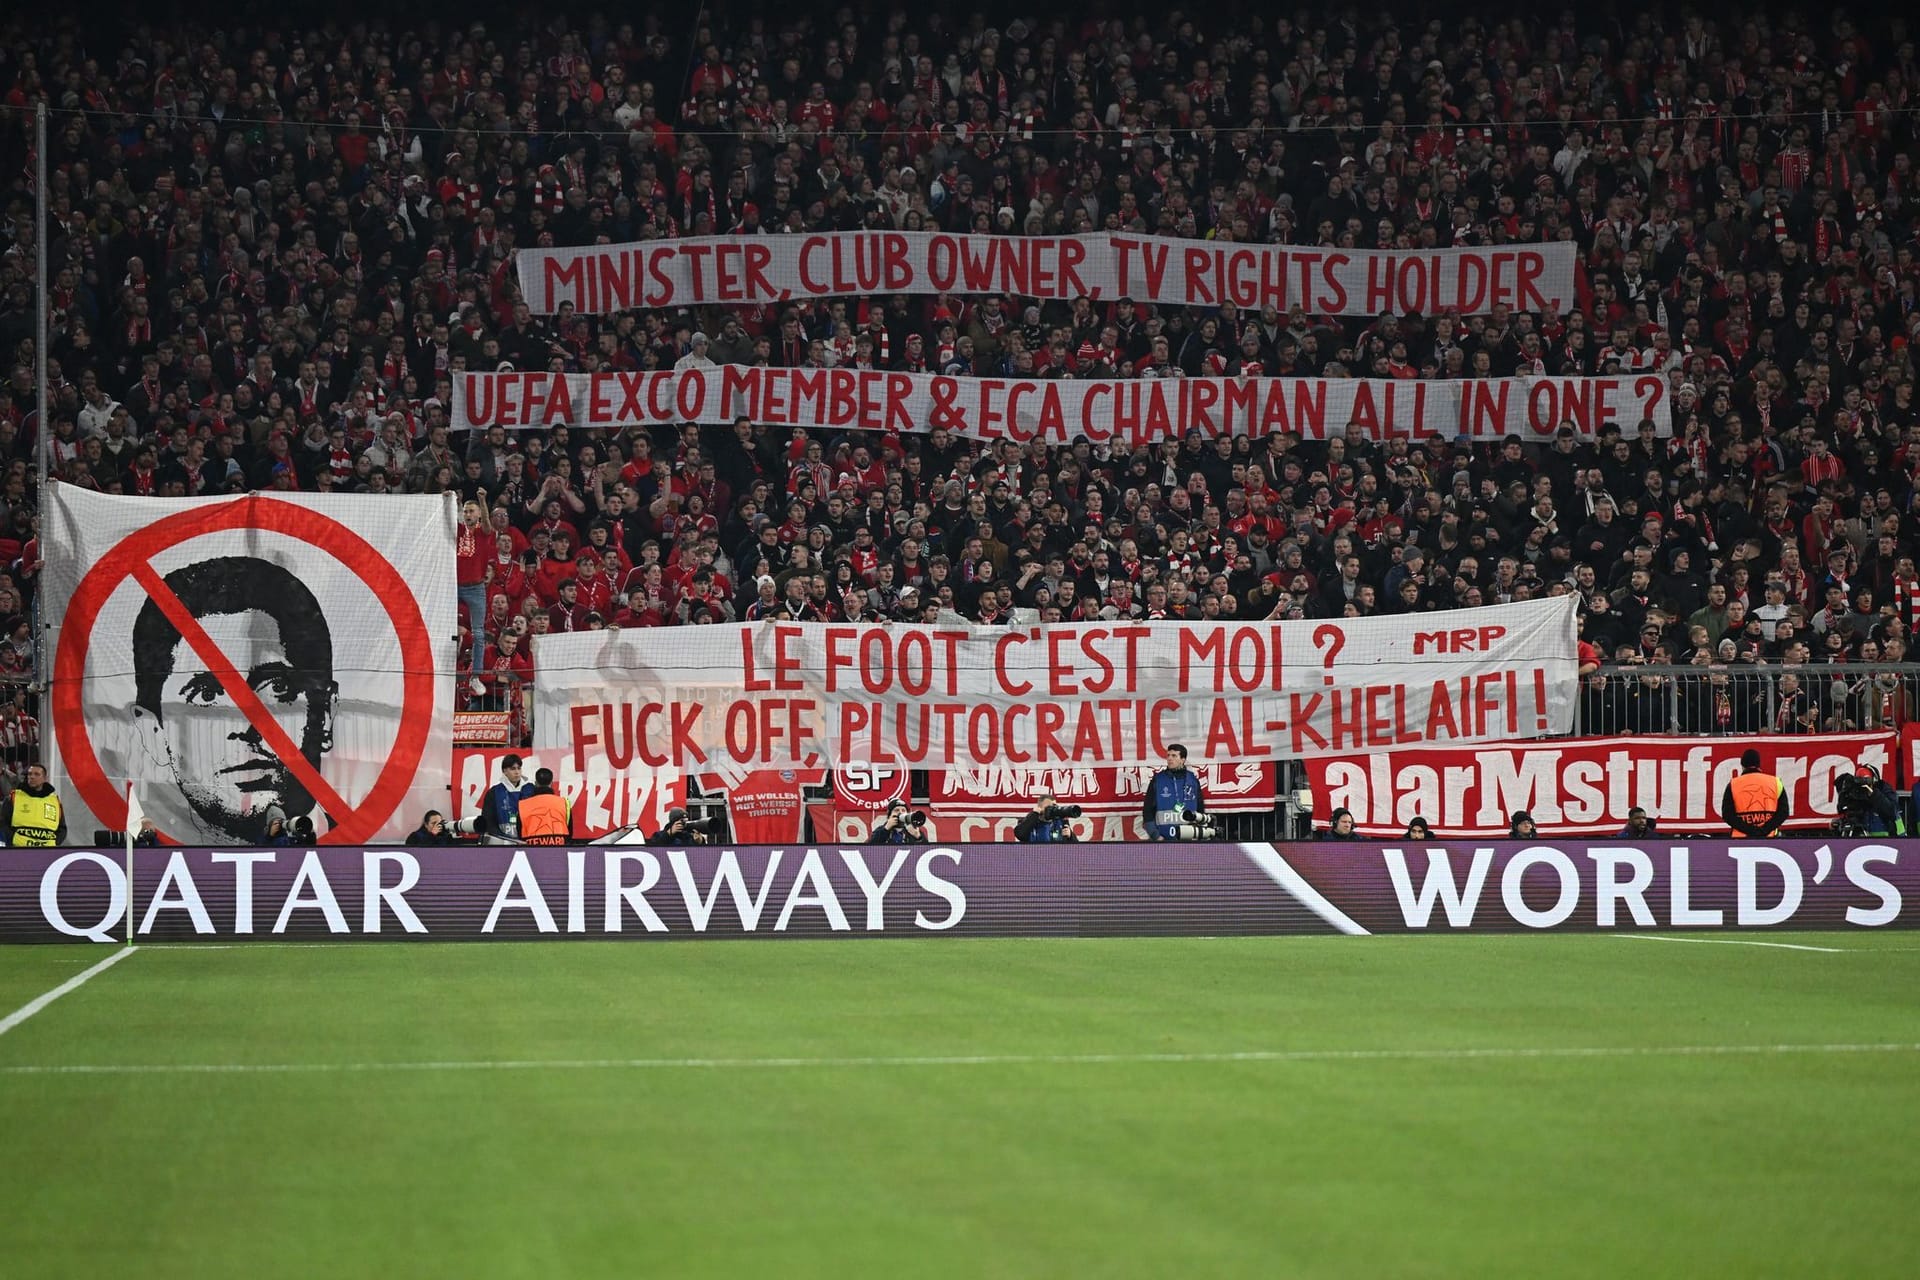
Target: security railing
1745	698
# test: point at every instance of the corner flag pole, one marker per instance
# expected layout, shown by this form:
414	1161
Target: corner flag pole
134	818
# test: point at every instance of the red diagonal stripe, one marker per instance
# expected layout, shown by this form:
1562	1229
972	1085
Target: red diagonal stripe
240	691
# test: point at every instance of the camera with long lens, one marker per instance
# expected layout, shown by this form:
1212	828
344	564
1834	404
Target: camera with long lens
1059	811
1196	826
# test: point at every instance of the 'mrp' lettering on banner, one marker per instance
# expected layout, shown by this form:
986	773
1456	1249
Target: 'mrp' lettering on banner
795	694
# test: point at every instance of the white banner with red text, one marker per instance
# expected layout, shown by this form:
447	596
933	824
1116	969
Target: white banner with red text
1583	786
770	270
249	664
1243	786
1134	411
779	695
987	804
602	797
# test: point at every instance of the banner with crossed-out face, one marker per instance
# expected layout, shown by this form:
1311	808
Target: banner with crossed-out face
250	661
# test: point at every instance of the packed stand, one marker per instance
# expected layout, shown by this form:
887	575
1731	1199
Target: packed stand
270	250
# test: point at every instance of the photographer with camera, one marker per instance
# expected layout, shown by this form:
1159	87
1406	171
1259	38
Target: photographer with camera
1174	807
892	829
901	826
432	830
680	830
1046	822
1866	805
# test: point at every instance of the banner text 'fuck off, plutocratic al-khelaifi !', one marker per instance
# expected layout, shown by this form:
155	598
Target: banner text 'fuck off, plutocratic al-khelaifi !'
775	695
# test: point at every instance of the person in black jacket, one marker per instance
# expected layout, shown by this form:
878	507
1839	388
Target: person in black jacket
431	831
895	827
679	831
1046	822
1339	826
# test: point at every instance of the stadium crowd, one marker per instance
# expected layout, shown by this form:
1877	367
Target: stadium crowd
271	248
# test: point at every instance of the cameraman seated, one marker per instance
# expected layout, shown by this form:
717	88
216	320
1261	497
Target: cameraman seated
1867	805
1339	827
1046	822
900	826
679	830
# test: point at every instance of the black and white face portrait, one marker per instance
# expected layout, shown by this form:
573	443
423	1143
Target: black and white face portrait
233	661
269	627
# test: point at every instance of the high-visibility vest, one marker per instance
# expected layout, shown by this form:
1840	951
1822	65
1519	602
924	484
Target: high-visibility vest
36	820
543	820
1756	797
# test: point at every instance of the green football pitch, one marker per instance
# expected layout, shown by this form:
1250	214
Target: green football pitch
1340	1107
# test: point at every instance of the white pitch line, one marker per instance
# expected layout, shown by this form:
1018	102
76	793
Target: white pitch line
954	1060
38	1003
1730	942
247	946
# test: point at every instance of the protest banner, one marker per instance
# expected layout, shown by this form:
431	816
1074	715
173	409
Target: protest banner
764	806
778	695
1583	786
769	270
977	804
246	659
601	796
1132	411
1004	791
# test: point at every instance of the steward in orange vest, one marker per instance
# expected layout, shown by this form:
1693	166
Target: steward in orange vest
544	816
1755	803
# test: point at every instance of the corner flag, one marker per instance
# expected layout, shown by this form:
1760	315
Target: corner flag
135	816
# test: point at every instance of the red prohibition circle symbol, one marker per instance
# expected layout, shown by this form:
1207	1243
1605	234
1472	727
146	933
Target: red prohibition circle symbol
133	558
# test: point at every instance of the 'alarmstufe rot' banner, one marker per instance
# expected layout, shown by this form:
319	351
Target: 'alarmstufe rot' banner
1134	411
1583	786
768	270
778	695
